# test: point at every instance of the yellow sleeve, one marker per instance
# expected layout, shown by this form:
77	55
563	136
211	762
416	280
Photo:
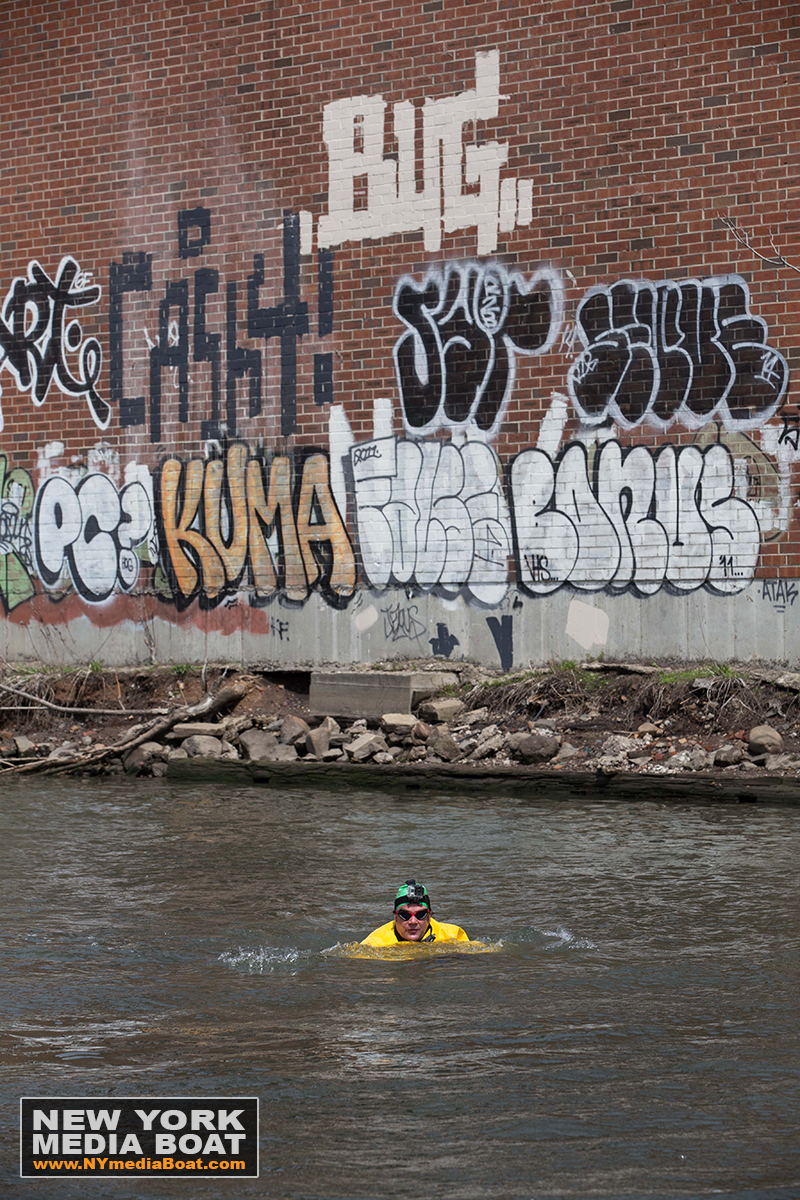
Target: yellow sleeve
383	936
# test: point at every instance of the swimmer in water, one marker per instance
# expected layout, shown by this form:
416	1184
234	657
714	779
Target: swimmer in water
412	921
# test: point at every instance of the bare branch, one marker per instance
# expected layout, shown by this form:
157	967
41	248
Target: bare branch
743	238
40	702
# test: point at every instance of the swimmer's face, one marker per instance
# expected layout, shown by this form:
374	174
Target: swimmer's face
411	922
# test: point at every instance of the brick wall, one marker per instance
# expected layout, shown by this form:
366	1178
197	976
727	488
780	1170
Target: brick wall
442	329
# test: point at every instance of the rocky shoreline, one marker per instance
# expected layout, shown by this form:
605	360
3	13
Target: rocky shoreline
486	730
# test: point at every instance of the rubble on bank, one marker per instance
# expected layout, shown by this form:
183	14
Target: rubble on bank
603	719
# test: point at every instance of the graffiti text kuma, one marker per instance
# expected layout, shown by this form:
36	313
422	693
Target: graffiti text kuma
243	522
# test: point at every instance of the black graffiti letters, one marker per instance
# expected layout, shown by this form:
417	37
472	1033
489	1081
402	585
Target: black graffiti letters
690	352
287	321
444	643
323	363
465	327
207	345
780	592
790	434
193	218
38	336
502	631
173	349
243	363
134	274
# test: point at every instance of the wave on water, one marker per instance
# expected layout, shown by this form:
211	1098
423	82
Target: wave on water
561	938
262	961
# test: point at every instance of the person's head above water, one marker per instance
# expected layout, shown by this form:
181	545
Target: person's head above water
413	921
412	911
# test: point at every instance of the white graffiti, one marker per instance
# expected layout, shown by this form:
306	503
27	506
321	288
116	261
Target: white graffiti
465	326
94	531
690	352
354	130
432	514
639	520
38	336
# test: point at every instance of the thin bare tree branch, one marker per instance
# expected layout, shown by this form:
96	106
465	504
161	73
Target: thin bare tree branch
39	702
743	238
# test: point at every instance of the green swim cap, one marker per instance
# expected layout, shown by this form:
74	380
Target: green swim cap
412	892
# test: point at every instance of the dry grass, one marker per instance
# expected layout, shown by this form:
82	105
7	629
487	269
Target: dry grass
565	689
568	691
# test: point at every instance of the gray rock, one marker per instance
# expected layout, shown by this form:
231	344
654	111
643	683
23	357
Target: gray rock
255	743
318	741
280	753
139	757
488	731
177	753
333	755
417	754
728	755
649	727
791	681
187	729
383	758
444	745
365	746
689	760
779	762
612	764
473	718
159	770
620	743
398	723
567	750
229	752
65	750
763	739
488	746
443	710
533	747
293	730
332	726
200	746
24	746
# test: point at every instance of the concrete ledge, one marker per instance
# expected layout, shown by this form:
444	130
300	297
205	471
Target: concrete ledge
517	782
373	693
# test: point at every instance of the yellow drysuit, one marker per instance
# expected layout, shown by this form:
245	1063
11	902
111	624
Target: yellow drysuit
438	931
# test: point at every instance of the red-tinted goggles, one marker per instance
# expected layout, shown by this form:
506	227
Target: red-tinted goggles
405	915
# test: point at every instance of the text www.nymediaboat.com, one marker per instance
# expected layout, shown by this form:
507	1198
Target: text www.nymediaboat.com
158	1164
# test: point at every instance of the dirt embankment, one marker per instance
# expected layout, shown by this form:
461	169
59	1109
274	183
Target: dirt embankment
600	717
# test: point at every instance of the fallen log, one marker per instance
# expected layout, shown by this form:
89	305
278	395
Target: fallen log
226	697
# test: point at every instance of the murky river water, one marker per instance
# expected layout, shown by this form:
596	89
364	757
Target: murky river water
636	1035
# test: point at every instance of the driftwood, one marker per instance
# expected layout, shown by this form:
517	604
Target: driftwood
39	702
207	707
